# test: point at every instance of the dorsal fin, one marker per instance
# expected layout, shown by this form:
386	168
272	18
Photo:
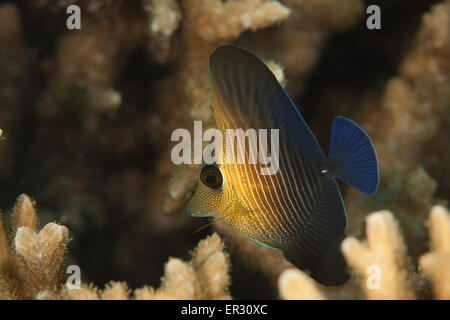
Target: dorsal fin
246	94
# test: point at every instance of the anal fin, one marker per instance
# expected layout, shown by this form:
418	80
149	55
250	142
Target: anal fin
316	247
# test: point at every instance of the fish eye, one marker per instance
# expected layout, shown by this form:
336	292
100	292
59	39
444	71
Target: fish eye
211	177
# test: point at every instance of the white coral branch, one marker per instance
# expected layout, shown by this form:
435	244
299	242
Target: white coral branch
436	264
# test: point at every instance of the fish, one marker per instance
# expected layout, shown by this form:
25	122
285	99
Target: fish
299	209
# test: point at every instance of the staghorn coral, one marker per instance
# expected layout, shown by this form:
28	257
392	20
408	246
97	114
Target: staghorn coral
385	250
297	43
84	78
31	264
164	19
296	285
436	263
385	254
206	276
267	261
31	268
405	125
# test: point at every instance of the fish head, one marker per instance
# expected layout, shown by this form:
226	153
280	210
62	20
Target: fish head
212	197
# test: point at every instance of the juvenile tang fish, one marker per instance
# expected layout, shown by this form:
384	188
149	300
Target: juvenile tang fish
299	209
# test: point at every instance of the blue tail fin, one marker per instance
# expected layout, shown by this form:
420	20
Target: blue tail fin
352	157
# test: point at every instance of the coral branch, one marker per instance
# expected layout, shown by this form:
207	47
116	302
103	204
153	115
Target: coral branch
236	16
116	291
32	270
384	252
40	256
164	19
296	285
24	214
436	264
410	129
4	247
206	276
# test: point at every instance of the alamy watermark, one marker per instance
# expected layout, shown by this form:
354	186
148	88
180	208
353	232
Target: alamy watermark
250	146
73	22
374	20
74	280
374	277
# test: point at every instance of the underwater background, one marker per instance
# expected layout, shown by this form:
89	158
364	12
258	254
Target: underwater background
86	118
